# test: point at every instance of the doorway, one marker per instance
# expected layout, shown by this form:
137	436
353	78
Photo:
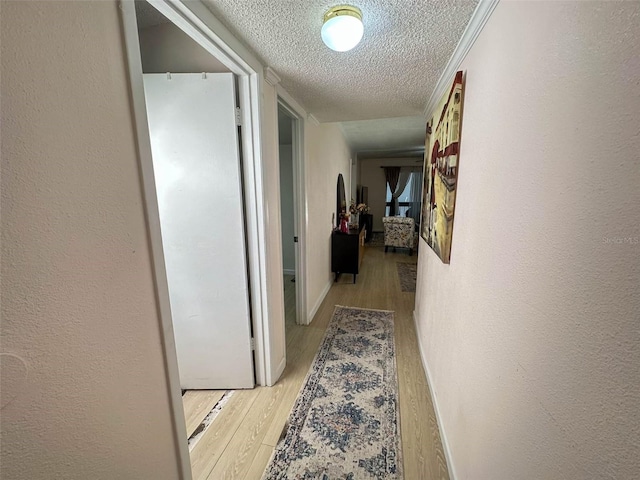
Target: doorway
287	213
292	212
241	76
197	169
198	179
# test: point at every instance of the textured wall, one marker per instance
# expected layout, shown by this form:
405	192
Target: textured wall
531	334
78	302
327	155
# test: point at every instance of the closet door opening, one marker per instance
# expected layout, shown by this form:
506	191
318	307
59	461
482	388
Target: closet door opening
196	160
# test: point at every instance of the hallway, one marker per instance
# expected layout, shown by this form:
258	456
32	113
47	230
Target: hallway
240	441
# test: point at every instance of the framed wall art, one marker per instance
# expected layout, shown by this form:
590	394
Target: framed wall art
442	146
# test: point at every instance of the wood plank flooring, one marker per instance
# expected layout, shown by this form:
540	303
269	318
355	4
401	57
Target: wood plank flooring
197	404
240	441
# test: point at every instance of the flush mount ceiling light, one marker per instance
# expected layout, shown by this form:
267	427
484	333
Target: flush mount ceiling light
342	28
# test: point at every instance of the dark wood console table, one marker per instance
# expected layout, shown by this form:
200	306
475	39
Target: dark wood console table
367	220
347	250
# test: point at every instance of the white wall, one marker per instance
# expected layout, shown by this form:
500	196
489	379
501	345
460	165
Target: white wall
327	155
287	210
531	334
166	48
372	176
78	303
354	175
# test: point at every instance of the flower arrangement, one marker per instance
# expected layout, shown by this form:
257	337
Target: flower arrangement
359	208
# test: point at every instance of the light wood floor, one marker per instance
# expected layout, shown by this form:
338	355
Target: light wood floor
241	439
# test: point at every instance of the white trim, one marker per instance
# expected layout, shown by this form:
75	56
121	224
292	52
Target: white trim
222	43
288	271
480	16
271	77
313	120
292	103
279	369
430	385
256	230
134	67
316	307
196	20
199	23
294	109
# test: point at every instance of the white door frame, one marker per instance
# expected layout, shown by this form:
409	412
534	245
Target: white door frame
299	206
196	21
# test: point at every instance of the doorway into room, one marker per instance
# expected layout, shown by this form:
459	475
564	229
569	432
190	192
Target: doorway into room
287	213
191	102
292	212
200	166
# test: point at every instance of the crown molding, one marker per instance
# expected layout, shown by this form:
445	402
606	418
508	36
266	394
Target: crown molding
271	77
479	18
313	120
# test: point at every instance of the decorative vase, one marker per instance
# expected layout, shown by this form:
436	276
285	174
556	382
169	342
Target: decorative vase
353	220
344	225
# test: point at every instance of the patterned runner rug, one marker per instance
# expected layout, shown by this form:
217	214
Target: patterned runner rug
407	273
344	424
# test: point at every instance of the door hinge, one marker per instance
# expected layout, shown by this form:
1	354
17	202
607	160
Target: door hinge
295	239
238	117
253	344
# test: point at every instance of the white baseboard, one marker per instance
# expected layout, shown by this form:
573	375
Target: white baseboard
278	372
443	435
316	307
289	271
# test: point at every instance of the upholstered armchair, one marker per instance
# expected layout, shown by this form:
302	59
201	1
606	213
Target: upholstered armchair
399	232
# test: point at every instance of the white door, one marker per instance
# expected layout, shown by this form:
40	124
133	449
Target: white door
194	142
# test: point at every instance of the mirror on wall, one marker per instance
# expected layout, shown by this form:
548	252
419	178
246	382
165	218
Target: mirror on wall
341	199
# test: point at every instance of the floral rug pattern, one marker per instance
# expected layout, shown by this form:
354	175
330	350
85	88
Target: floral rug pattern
344	424
407	273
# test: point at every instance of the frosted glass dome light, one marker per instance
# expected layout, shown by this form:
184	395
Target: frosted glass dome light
342	28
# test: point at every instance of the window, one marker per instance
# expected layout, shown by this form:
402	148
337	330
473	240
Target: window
404	200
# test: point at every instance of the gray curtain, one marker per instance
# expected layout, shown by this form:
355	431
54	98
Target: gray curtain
416	196
392	174
403	179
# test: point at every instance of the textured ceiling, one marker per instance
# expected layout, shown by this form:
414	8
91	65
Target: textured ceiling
391	73
387	137
378	90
